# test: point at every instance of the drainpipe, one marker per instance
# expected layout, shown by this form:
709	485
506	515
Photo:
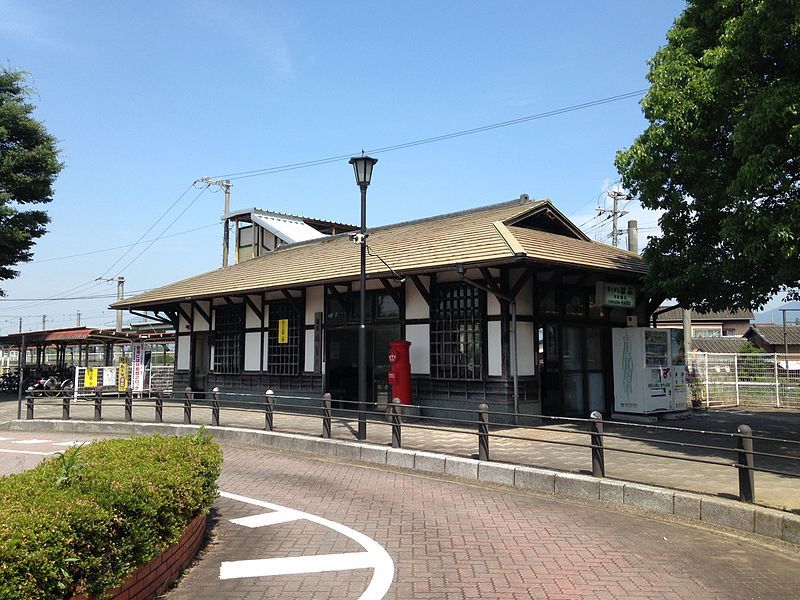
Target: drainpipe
512	333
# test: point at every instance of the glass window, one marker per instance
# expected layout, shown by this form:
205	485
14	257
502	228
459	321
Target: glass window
547	303
575	306
283	339
228	337
457	332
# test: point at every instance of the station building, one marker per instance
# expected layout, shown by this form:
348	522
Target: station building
476	293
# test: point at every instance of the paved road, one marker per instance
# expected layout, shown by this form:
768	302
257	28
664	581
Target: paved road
446	539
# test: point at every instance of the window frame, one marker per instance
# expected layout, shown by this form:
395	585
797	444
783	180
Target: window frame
458	309
229	354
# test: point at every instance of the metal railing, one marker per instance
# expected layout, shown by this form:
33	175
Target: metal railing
591	434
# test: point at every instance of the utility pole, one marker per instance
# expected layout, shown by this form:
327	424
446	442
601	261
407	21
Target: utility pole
616	213
20	324
120	296
78	319
687	332
44	322
225	184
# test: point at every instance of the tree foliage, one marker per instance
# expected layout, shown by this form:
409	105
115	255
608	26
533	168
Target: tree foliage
721	155
28	167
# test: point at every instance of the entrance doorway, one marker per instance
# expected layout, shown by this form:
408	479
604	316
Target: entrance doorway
571	369
201	357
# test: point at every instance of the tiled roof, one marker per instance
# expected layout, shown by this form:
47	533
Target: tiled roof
476	236
773	334
718	344
676	316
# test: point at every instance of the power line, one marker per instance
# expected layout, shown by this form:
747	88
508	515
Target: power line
121	247
58	299
430	140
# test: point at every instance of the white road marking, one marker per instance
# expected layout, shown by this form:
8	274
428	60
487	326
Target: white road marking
27	452
31	442
72	443
295	565
375	556
2	439
271	518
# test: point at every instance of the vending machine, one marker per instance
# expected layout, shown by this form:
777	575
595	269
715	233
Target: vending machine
649	370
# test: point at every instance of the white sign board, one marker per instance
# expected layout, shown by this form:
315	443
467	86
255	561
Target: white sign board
137	368
615	294
109	376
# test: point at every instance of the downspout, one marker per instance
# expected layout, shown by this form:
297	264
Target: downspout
512	333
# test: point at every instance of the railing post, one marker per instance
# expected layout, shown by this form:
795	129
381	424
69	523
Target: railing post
65	406
215	408
159	407
483	431
268	409
129	404
29	403
736	377
598	459
326	415
187	405
98	404
747	490
396	423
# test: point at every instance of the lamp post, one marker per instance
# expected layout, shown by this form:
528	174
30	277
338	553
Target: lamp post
362	165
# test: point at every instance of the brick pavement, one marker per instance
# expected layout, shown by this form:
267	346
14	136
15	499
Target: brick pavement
453	540
776	491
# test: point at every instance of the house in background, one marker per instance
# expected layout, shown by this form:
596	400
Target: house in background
770	338
287	319
709	325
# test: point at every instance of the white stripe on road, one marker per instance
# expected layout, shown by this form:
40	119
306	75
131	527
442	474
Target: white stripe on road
31	442
295	565
272	518
379	559
27	452
72	443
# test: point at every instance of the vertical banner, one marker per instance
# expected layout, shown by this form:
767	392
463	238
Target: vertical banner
90	378
137	368
122	374
283	331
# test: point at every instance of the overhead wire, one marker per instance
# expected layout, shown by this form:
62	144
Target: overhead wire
433	139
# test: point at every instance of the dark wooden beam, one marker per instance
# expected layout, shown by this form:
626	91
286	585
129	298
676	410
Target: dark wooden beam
489	281
185	315
343	298
228	299
204	314
293	301
254	308
154	317
526	276
426	295
395	292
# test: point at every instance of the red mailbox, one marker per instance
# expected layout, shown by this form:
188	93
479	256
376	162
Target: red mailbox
400	372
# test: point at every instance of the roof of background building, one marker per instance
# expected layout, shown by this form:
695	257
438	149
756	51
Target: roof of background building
473	237
676	315
715	345
773	334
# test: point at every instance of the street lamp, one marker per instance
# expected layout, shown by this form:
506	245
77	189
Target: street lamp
362	165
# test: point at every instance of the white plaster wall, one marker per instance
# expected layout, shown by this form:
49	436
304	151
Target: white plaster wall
494	349
526	352
183	344
252	351
183	324
525	295
420	338
200	324
492	304
266	349
309	350
416	307
251	319
315	302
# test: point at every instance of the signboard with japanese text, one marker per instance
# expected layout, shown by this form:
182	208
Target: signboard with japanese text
90	378
615	294
137	367
283	331
122	374
109	377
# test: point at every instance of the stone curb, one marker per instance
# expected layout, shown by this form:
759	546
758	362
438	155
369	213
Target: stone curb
707	509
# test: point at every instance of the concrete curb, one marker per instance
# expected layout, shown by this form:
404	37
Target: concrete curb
707	509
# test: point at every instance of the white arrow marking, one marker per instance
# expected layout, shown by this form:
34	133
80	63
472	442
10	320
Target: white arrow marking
375	556
27	452
295	565
272	518
31	442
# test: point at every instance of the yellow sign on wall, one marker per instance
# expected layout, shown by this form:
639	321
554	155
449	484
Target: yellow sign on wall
90	378
283	331
122	375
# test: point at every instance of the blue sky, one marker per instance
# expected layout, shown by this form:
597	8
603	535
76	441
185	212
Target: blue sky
145	97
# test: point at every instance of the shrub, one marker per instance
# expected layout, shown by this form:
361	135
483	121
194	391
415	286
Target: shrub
82	521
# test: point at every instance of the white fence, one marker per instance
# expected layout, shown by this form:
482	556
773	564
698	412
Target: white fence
749	380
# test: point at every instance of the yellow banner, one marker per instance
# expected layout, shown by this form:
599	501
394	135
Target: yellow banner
122	375
90	378
283	331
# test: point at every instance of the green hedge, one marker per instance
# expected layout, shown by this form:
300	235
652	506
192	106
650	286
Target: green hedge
83	520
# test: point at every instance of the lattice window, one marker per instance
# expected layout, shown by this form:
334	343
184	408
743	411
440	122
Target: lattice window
457	332
228	339
283	356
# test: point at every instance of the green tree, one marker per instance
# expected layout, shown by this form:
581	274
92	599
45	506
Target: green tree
721	155
28	167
